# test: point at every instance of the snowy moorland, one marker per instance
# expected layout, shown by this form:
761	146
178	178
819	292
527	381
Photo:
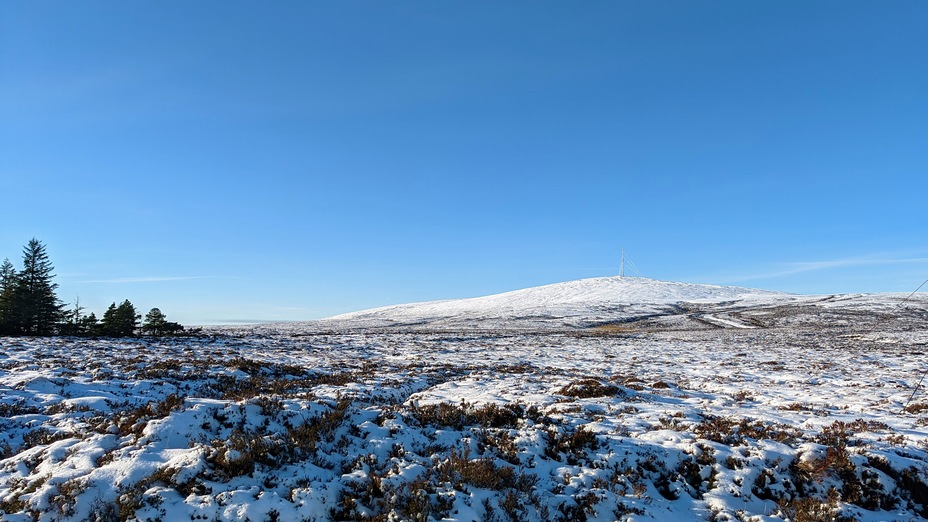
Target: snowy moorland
603	399
574	304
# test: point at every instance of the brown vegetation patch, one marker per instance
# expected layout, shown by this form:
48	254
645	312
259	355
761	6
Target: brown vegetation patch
465	414
588	388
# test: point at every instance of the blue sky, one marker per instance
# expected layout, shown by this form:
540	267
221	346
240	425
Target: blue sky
242	161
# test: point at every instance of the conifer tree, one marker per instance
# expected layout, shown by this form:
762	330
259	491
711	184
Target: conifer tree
7	285
7	275
108	324
120	321
36	309
154	322
89	325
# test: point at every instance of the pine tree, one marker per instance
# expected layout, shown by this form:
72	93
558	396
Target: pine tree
108	324
7	285
120	321
36	309
128	317
7	275
154	322
89	325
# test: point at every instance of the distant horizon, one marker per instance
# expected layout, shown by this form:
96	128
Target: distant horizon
245	322
232	321
297	160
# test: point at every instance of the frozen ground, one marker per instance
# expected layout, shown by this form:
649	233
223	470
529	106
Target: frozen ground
675	405
573	304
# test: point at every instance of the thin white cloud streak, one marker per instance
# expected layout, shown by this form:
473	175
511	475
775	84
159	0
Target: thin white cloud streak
123	280
813	266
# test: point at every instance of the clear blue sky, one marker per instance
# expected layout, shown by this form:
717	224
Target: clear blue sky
242	161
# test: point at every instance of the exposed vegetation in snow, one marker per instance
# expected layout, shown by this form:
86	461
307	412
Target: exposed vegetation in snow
757	409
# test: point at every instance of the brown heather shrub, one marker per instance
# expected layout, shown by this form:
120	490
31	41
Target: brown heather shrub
836	462
458	469
265	368
896	440
302	440
18	407
588	388
835	435
761	485
838	434
243	450
411	501
810	509
730	431
690	470
908	481
573	444
13	505
500	441
515	368
133	421
376	500
491	415
65	500
43	436
230	387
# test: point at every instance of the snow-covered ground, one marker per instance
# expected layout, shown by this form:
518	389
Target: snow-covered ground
670	402
581	303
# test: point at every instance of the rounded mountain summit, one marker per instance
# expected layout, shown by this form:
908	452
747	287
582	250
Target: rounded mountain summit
573	304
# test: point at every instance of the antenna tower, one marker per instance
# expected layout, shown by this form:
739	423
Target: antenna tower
631	265
622	266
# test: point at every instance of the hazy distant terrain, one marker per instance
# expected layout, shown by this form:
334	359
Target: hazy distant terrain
600	399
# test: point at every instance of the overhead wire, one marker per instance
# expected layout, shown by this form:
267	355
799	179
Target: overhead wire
924	373
913	293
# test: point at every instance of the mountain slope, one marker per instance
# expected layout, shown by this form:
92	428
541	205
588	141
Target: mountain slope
582	303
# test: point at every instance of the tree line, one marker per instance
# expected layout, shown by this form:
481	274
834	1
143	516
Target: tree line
29	305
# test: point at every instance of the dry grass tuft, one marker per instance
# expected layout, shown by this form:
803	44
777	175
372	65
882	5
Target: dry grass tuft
588	388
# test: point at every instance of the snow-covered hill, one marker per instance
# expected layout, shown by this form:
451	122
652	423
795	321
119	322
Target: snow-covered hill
815	418
694	403
582	303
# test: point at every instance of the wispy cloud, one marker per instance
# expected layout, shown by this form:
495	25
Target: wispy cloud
788	269
122	280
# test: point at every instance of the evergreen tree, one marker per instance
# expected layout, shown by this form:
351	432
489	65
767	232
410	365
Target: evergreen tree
128	317
154	322
7	275
36	309
108	325
7	285
120	321
89	325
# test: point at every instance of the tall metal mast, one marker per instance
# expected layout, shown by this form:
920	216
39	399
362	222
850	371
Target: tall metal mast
622	266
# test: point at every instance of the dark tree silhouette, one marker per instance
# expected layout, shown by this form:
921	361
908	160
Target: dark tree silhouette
35	307
7	285
154	322
120	321
89	325
29	306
